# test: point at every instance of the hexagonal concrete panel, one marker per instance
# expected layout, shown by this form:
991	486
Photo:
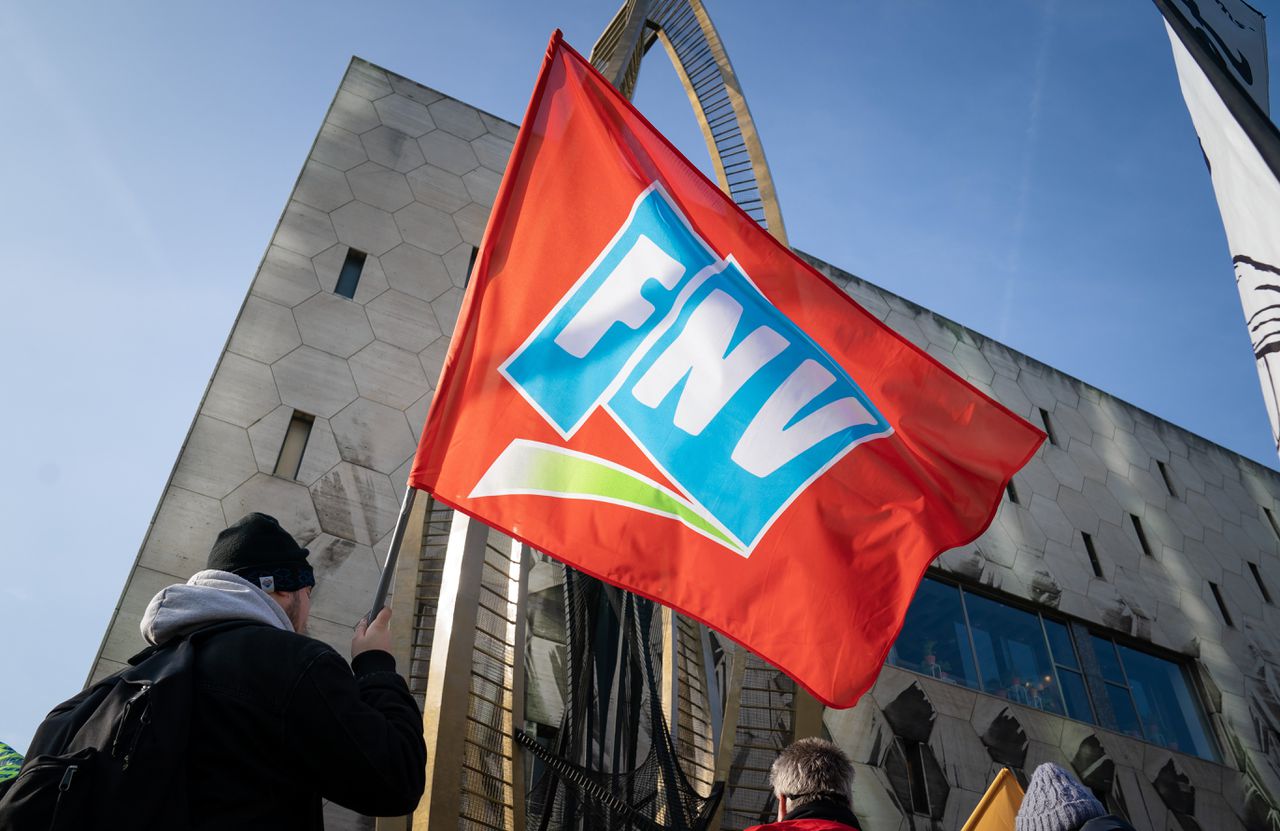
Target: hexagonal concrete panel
185	527
321	453
417	415
364	227
314	382
283	499
438	188
267	435
416	272
366	80
974	363
305	230
404	114
1050	518
446	307
322	187
352	112
328	265
403	321
458	261
1063	466
345	571
265	331
1078	509
482	184
334	324
502	129
427	228
392	148
492	151
338	148
457	118
372	435
285	277
415	91
448	152
389	375
242	391
216	459
379	186
355	503
471	222
432	359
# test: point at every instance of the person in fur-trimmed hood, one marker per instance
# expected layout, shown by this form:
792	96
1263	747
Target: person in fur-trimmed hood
813	782
280	721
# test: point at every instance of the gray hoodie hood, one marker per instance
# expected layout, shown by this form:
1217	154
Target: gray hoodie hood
208	597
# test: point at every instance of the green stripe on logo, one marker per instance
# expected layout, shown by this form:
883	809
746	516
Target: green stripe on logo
529	468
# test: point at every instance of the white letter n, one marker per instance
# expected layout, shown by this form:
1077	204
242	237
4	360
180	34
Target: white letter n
699	353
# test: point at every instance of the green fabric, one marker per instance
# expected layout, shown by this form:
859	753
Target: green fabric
574	476
10	761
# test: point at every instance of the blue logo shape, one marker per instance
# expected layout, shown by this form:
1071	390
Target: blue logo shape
734	403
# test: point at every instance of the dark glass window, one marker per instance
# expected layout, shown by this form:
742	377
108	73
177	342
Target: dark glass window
1012	654
349	277
1166	704
1125	713
1064	652
1105	650
982	643
934	640
289	462
1048	426
1262	587
1076	695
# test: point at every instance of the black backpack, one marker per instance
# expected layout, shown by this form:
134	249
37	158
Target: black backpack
113	756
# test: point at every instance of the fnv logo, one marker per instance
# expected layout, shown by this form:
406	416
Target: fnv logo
737	407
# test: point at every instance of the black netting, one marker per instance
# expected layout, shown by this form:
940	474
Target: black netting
612	765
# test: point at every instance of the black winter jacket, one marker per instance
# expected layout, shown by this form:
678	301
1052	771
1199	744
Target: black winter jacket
280	722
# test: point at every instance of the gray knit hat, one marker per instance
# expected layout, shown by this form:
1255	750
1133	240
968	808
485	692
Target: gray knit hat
1055	801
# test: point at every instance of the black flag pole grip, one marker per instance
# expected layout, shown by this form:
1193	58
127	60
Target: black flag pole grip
393	554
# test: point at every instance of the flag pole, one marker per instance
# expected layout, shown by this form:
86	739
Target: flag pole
393	553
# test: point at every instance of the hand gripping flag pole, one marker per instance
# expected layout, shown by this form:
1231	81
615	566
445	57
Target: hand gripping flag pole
393	554
647	386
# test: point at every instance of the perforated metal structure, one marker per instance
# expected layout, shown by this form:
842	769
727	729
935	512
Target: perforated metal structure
700	59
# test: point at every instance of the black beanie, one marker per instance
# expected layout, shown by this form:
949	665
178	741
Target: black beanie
260	551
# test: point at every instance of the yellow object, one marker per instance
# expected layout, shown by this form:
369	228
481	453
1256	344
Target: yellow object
998	806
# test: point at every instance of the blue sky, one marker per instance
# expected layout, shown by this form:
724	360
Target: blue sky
1025	168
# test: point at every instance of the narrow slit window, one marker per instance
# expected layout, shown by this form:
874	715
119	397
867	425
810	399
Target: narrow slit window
911	751
1013	493
349	277
1271	519
1093	555
1142	535
1048	426
1262	587
1168	480
294	445
1222	606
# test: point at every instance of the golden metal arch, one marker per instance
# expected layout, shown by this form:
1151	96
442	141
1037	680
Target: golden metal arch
686	31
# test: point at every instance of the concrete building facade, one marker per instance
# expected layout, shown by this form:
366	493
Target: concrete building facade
1123	530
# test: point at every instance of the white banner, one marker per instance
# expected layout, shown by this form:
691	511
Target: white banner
1248	195
1236	34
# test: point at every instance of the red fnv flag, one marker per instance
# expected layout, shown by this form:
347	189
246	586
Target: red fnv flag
646	385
